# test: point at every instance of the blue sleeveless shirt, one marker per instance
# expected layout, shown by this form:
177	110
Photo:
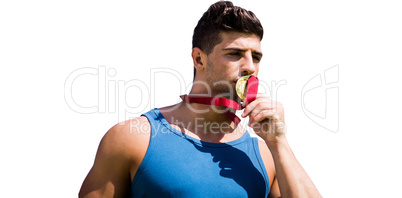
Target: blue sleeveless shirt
177	165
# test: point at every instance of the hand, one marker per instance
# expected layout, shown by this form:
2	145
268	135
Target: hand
266	117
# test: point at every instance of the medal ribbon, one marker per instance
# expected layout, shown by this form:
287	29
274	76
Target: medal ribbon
251	94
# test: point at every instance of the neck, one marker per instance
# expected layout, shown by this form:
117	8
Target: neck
204	115
203	122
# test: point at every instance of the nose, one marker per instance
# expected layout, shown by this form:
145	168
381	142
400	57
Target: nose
248	66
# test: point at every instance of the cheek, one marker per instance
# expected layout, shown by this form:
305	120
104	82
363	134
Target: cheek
257	69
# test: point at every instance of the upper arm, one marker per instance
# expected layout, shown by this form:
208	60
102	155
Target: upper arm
121	149
270	167
274	192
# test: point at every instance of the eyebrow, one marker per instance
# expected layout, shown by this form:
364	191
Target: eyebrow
241	50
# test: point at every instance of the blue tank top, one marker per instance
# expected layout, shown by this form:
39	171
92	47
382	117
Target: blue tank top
177	165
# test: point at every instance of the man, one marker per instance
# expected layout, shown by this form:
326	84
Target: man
196	150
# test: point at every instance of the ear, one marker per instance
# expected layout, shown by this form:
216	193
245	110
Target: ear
199	59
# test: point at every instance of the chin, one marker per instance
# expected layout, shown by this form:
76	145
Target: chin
224	93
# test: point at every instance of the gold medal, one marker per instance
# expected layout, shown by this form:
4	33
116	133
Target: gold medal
241	87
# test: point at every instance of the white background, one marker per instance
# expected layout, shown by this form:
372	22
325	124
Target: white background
47	147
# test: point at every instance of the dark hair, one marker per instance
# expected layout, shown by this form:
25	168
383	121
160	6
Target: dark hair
223	16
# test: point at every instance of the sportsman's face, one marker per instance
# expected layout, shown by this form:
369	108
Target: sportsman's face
237	55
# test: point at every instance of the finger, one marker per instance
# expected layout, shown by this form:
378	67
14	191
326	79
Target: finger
263	115
259	95
248	109
257	106
271	125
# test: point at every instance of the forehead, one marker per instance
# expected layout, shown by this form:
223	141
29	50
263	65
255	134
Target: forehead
239	40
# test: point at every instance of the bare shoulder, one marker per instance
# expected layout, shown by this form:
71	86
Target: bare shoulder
119	155
131	139
126	137
130	130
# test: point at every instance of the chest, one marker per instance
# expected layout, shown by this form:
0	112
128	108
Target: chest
191	170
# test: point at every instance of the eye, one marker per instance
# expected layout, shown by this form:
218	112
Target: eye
234	54
257	58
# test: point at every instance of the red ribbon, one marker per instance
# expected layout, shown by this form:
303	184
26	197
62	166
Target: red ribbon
251	95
